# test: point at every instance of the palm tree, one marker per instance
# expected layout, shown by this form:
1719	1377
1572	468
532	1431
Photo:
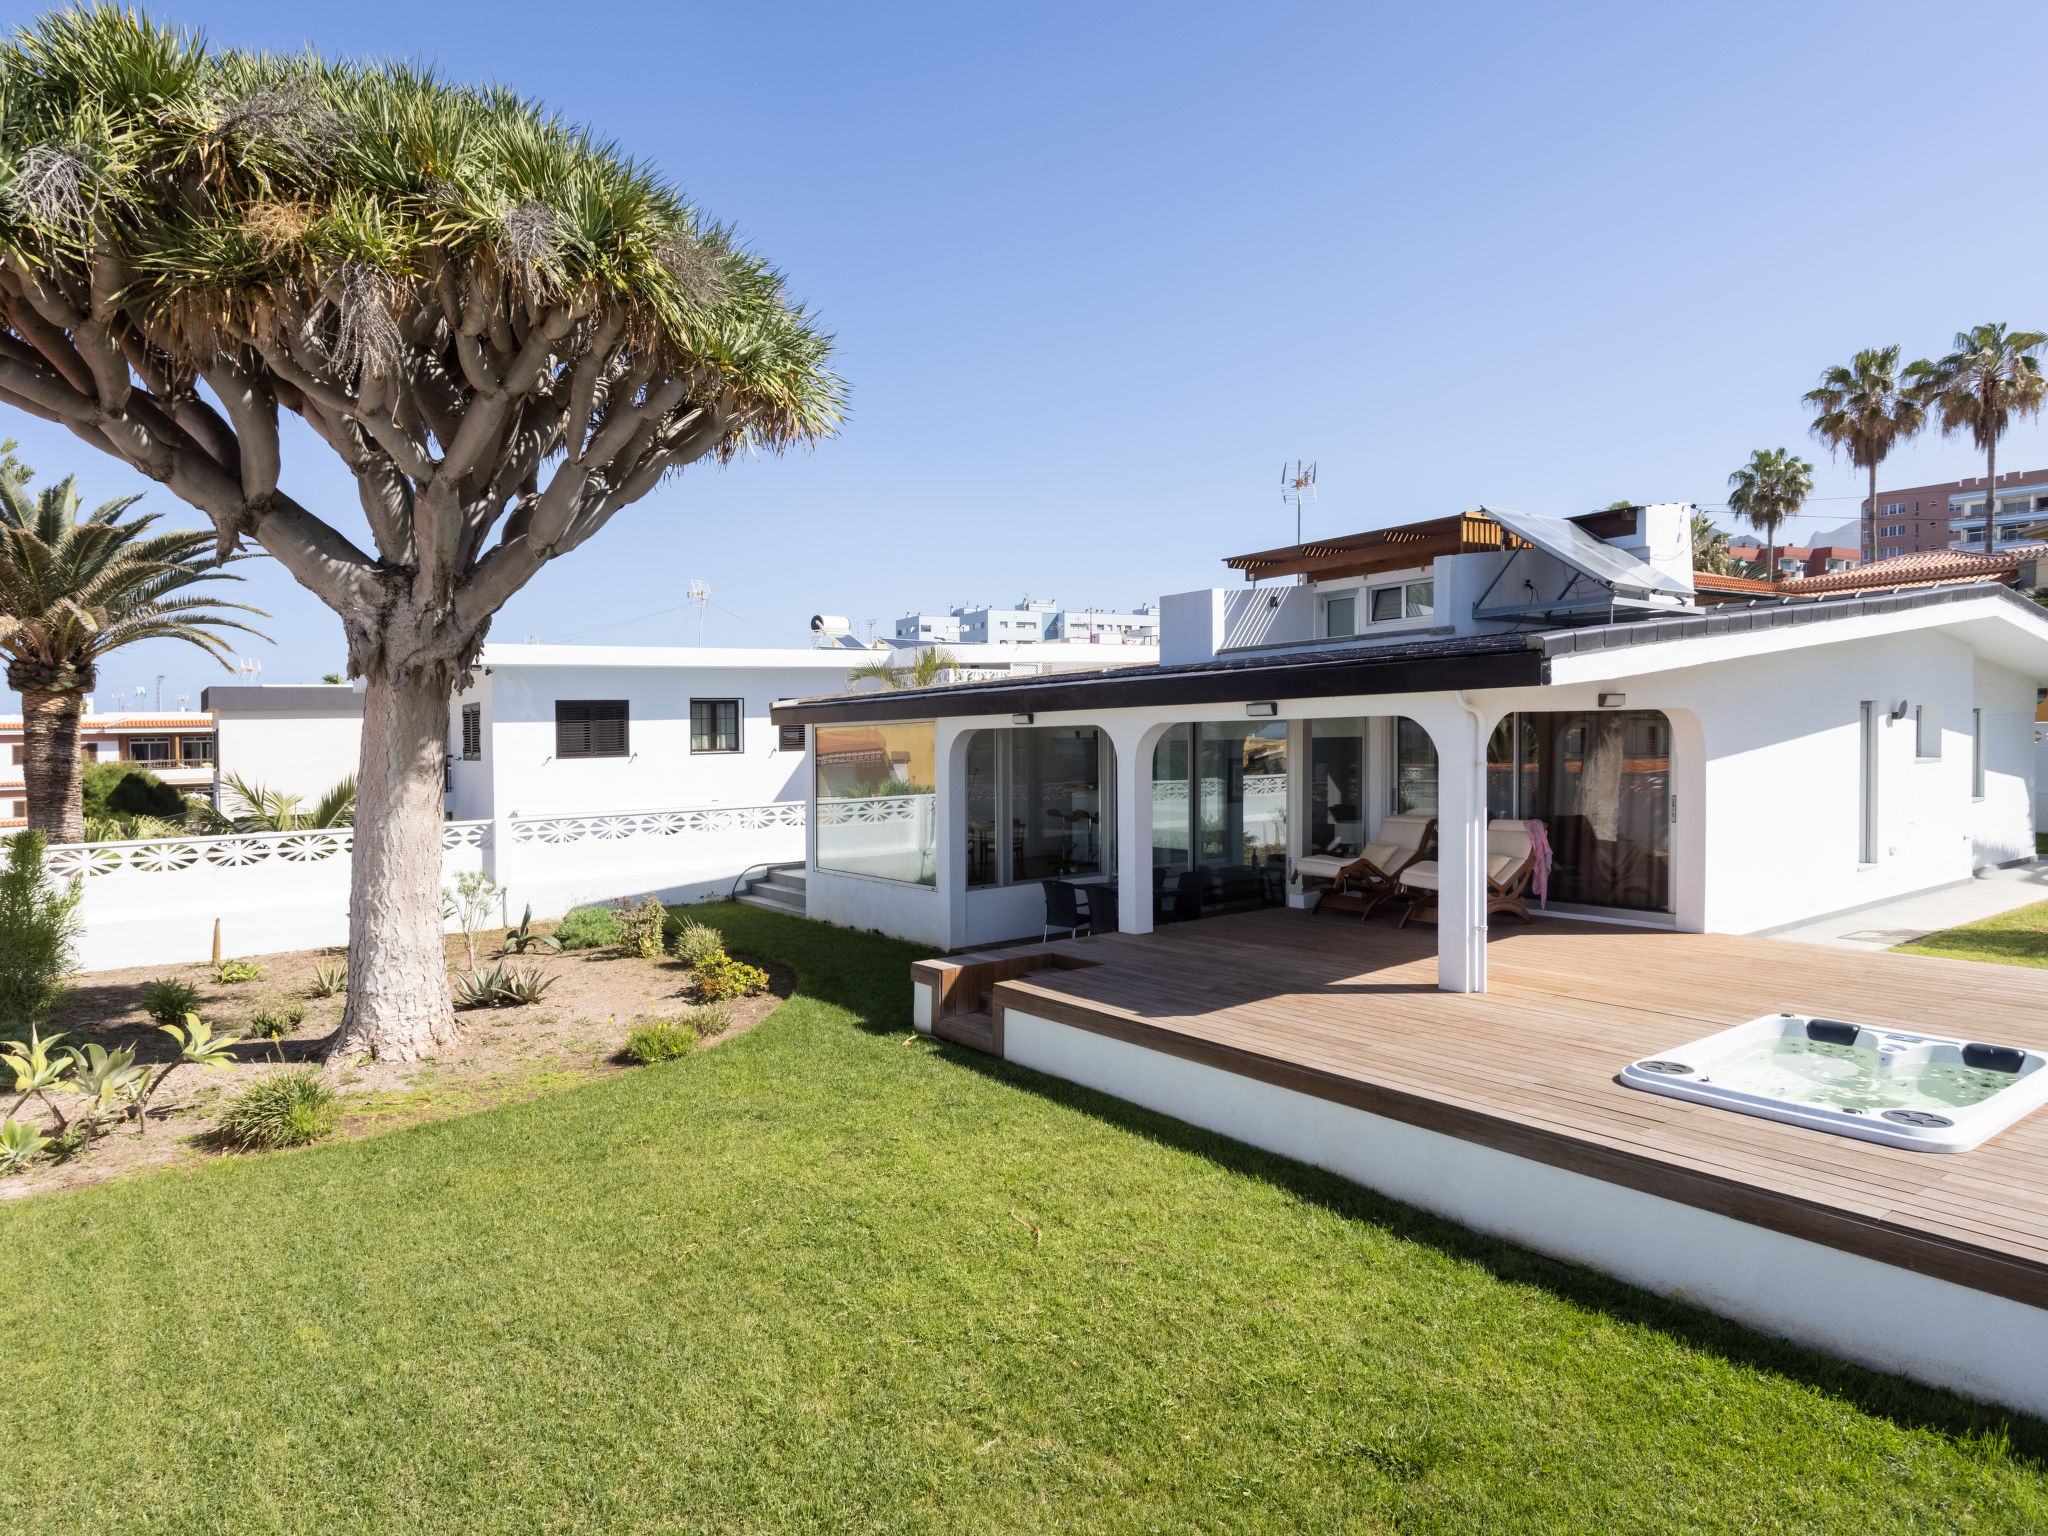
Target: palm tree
931	667
1768	489
73	589
1710	547
1990	377
1867	409
505	327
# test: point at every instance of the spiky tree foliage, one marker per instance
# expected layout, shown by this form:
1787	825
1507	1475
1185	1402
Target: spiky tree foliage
1866	408
1710	547
505	328
932	665
1988	379
74	589
1764	492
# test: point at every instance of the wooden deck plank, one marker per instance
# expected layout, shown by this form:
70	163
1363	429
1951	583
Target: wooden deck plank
1350	1011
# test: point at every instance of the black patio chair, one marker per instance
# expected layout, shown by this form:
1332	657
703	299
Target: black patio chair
1062	910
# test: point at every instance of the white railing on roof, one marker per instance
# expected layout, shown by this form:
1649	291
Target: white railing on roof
230	850
631	824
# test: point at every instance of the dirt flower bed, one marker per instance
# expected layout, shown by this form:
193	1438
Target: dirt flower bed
573	1035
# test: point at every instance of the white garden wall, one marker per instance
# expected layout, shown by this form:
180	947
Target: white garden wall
156	902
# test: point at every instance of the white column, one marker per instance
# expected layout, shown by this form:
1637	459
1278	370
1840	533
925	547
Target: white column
1132	741
1459	732
1299	755
950	763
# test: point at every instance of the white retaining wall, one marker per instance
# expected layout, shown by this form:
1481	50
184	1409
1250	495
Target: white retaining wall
1878	1315
156	902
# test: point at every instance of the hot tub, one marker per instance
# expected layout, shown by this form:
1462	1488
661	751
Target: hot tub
1926	1092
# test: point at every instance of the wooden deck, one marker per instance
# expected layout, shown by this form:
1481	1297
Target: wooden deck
1349	1011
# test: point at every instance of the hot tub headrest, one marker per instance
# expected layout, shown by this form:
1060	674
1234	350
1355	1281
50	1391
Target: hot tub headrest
1994	1058
1831	1031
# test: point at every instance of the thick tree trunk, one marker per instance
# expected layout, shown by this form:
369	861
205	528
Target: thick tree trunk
398	1000
50	767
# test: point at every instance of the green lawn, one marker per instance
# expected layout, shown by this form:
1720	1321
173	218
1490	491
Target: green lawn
778	1286
2018	937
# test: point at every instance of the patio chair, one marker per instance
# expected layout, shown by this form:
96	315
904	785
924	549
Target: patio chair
1062	910
1360	884
1510	865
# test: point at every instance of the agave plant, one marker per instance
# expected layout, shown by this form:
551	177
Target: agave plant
36	1071
199	1046
499	986
19	1143
521	939
328	979
107	1080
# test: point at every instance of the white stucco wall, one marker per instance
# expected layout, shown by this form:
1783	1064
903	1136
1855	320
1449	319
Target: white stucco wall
518	687
300	752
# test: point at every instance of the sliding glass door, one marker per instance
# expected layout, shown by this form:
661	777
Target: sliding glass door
1219	812
1600	782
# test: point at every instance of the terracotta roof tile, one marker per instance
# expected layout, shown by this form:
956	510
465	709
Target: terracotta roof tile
1927	568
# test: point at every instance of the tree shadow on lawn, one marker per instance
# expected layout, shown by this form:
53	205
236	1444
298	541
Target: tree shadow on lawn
1976	1427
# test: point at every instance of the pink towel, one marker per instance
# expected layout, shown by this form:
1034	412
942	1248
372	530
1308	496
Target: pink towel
1539	850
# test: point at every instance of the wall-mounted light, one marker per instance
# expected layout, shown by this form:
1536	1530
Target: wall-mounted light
1273	600
1020	719
1900	713
1613	700
1262	711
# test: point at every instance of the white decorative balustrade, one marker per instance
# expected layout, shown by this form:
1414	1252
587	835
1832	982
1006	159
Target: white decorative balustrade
155	902
871	810
631	824
230	850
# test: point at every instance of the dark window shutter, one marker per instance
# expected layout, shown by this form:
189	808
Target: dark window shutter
591	728
792	738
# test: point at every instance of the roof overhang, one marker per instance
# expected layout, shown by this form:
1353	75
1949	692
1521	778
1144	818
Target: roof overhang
1494	661
1384	549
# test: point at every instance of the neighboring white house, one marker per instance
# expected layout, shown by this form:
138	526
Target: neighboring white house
297	738
1736	768
175	745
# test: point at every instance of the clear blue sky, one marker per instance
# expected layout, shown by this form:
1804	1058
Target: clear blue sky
1097	270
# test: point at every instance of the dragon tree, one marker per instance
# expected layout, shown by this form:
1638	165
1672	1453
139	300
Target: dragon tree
505	329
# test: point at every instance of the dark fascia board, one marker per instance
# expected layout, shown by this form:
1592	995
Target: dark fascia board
288	698
1493	661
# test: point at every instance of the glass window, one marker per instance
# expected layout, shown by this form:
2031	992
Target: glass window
591	728
1926	730
1600	781
983	866
195	749
714	725
1421	599
1055	803
1341	614
149	749
1414	769
1977	754
1170	798
1336	786
877	801
1386	604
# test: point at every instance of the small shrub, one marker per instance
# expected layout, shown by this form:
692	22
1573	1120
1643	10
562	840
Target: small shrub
640	928
711	1019
697	942
663	1040
588	928
726	977
328	980
228	972
286	1109
167	1000
273	1024
38	927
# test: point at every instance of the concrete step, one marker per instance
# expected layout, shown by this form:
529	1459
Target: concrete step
783	877
774	900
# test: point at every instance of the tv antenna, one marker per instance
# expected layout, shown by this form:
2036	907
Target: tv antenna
699	595
250	668
1298	485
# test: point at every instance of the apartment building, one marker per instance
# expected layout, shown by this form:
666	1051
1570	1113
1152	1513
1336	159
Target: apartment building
1030	622
175	745
1952	515
1797	560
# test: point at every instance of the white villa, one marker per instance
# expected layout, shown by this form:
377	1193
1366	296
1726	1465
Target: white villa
1732	768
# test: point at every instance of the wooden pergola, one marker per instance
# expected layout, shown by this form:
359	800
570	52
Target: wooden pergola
1411	544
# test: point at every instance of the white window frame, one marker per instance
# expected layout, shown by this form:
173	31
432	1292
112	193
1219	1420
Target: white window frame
1866	788
1926	723
1347	595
